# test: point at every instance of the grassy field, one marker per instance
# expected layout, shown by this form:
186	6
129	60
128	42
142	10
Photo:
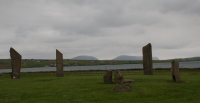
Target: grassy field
88	87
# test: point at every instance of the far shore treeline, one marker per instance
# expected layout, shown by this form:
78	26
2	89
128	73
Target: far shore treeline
30	63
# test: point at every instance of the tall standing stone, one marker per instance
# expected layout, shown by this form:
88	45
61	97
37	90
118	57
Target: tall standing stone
59	64
15	63
108	77
147	59
175	71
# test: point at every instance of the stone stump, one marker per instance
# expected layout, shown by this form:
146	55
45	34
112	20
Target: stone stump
59	64
147	59
15	63
175	71
118	77
121	85
108	77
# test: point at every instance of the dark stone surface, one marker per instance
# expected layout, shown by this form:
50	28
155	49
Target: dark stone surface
108	77
175	71
15	63
147	59
118	77
59	64
122	85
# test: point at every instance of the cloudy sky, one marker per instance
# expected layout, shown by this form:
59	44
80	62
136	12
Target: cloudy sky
101	28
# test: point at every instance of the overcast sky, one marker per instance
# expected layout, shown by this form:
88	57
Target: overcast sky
101	28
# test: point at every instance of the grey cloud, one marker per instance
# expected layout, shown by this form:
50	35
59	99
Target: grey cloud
182	6
100	28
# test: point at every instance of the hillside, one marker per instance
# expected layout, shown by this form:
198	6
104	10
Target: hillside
126	57
84	57
188	59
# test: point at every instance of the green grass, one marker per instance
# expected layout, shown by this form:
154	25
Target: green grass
88	87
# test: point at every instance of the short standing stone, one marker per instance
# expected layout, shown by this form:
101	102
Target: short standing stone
118	77
175	71
121	84
59	64
108	77
15	63
147	59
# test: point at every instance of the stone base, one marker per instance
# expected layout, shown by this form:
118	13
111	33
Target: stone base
124	87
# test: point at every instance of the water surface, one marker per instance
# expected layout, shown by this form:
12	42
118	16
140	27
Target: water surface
188	65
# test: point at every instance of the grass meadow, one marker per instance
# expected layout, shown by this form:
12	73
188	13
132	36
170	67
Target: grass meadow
88	87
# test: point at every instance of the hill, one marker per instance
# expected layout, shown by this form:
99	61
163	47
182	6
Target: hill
126	57
188	59
84	57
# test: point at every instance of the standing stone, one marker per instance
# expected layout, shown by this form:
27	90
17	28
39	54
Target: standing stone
59	64
147	59
175	71
108	77
118	77
15	63
121	85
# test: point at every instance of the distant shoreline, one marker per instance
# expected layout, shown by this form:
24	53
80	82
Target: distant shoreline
156	66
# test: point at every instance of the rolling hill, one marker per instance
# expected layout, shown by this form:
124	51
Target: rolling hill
84	57
126	57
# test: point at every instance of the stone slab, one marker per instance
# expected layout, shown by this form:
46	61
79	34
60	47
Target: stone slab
59	64
147	59
15	63
175	71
